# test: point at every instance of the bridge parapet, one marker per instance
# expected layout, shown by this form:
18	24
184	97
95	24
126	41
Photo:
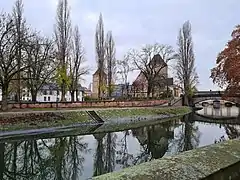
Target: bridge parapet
212	95
209	93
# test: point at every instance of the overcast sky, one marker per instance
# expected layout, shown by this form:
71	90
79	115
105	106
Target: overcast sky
138	22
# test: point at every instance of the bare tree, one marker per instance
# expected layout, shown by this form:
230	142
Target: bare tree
123	68
185	65
63	42
77	68
152	61
100	52
20	36
41	63
8	52
111	62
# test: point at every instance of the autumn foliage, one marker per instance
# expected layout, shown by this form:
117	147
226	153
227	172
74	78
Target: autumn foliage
227	72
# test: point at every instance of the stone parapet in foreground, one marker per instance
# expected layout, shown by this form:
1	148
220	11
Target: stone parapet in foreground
218	161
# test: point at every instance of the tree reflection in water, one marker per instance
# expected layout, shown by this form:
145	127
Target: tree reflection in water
110	152
75	157
188	136
124	157
232	131
154	141
59	158
105	155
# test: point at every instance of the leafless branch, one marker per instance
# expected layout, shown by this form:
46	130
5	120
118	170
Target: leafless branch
100	52
41	63
152	61
185	65
111	61
77	67
63	32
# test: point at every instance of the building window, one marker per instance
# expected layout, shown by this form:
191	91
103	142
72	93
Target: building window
45	92
49	98
45	98
50	92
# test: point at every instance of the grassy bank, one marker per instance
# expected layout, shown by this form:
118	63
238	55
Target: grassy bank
35	120
120	113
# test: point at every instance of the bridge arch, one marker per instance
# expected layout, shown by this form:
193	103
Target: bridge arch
200	100
208	102
203	96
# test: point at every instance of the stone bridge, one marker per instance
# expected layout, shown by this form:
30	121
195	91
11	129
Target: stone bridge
207	97
201	96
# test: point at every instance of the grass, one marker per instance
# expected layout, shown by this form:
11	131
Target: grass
74	117
66	118
120	113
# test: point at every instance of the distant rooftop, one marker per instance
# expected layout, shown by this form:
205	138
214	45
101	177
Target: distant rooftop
98	71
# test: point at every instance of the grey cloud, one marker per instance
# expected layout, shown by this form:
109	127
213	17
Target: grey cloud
137	22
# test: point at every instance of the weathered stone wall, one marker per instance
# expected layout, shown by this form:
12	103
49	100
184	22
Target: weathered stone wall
231	172
86	104
209	162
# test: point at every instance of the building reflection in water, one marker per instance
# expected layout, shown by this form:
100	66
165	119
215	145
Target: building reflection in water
229	111
223	111
154	141
205	110
217	112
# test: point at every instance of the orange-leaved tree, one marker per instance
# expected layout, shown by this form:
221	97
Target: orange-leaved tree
227	72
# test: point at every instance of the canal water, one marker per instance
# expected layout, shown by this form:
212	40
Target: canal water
85	156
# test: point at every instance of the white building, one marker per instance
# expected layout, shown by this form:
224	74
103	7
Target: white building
49	93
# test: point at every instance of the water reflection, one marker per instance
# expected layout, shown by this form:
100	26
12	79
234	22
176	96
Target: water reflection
232	131
188	136
153	140
124	157
105	153
81	157
221	112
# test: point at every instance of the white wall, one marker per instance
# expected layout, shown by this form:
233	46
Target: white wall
68	96
53	98
50	96
26	96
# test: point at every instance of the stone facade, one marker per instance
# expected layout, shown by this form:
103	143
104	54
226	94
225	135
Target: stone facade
158	66
95	86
